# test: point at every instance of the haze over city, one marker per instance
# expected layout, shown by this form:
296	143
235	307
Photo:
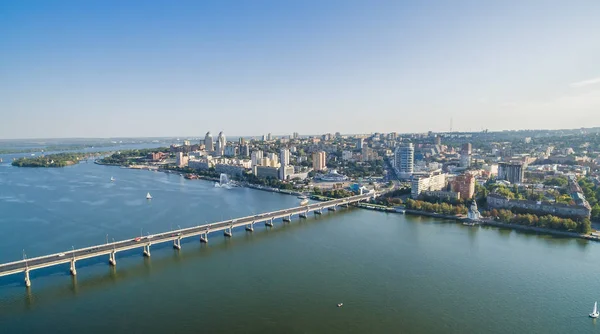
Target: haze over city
113	68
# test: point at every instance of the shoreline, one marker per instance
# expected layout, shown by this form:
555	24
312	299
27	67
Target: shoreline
367	206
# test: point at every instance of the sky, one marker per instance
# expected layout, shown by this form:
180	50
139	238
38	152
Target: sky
182	68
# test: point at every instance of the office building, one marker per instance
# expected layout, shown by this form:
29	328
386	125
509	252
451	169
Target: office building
359	143
208	143
319	161
465	155
513	172
404	160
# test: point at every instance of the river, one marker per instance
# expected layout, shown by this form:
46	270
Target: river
394	273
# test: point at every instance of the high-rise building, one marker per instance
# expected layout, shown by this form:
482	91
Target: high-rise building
366	153
245	150
464	185
242	141
404	159
274	159
269	138
256	158
295	135
284	156
465	155
230	151
208	143
221	142
513	172
319	161
438	140
359	143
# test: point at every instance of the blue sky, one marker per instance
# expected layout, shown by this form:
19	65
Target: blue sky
181	68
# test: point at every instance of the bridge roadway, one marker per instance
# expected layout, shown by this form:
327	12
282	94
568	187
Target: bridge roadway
26	265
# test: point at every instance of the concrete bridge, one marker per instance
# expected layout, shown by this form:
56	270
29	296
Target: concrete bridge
71	257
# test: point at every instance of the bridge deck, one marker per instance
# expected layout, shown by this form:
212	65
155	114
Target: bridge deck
118	246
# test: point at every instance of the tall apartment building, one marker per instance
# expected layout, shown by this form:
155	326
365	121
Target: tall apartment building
208	143
404	160
464	185
319	162
513	172
256	158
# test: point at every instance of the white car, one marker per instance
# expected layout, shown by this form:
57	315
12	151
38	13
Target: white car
61	254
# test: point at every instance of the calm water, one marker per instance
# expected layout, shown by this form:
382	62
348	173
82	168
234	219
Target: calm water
394	273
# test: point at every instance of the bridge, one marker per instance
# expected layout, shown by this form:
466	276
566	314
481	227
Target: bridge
175	236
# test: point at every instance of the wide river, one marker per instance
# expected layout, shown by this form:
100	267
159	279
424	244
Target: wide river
394	273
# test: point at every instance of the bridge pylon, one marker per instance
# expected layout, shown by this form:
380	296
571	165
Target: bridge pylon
269	222
112	258
27	280
73	269
318	212
228	232
177	243
147	250
250	227
204	237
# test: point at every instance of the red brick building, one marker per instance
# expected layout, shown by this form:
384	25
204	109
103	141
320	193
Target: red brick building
465	185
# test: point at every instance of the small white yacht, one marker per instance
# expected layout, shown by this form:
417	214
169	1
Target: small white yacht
595	313
340	304
304	202
148	196
112	179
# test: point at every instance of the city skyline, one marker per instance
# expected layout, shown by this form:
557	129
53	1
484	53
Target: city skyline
77	70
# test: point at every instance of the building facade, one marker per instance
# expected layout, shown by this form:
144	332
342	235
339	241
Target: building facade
464	185
433	182
404	160
319	161
513	172
209	145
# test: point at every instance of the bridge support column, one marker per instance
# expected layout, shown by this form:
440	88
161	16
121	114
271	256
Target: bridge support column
112	258
287	219
304	214
332	208
269	222
318	212
27	280
73	269
177	243
227	232
204	238
147	250
250	227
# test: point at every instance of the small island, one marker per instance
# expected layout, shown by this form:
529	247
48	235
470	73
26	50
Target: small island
51	160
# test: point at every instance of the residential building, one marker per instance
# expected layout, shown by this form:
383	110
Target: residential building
181	160
285	172
497	201
359	143
256	158
319	161
404	158
464	185
346	155
513	172
284	156
221	142
366	153
466	155
432	182
208	143
230	151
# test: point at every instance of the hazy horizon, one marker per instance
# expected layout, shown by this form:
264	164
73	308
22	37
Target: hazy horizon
109	69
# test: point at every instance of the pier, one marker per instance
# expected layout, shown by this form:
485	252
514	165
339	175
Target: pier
111	249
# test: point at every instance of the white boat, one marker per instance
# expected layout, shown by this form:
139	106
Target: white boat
340	304
304	202
112	179
148	196
595	313
302	197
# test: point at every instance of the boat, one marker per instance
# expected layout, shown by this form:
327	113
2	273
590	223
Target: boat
340	304
304	202
302	197
112	179
595	313
469	223
148	196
